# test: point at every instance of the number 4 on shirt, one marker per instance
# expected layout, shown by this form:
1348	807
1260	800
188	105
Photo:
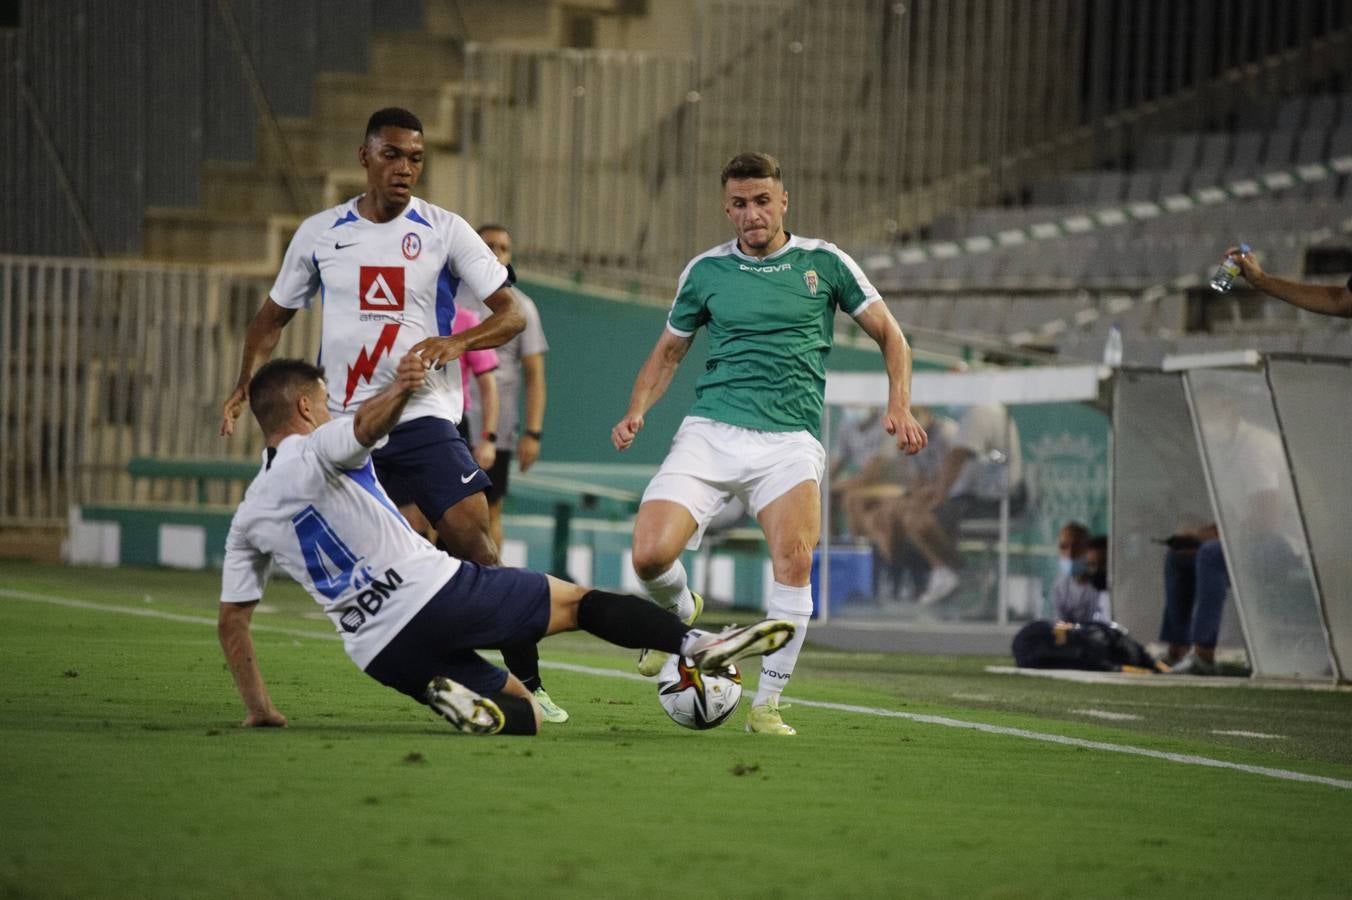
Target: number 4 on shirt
327	558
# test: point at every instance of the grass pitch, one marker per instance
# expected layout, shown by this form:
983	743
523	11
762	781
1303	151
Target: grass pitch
123	774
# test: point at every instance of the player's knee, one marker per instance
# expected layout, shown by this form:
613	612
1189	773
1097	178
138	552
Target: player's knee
651	561
793	563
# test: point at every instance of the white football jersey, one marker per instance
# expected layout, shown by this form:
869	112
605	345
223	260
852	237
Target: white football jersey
385	287
318	511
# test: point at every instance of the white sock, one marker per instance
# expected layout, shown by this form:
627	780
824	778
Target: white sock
794	604
671	591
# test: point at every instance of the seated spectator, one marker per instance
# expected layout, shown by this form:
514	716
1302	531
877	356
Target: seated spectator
1196	582
882	516
1071	541
985	461
864	461
1082	595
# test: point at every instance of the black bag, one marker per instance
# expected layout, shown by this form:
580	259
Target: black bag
1091	646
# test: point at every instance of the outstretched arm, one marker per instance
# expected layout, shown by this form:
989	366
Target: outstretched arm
652	382
1331	300
259	341
232	627
878	323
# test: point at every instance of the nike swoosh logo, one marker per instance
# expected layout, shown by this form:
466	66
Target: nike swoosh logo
466	479
338	246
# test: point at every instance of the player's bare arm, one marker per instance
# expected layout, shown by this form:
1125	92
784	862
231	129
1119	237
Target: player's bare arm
528	445
232	627
378	415
259	342
505	322
1327	299
486	450
652	382
878	322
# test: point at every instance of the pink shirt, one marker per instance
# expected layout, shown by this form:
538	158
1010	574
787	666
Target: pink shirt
474	362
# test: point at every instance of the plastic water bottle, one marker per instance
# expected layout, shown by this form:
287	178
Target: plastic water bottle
1224	279
1112	348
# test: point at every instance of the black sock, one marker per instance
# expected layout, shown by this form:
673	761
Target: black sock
523	661
517	712
630	622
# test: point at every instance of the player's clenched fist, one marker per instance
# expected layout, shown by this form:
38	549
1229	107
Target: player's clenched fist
623	434
910	435
412	372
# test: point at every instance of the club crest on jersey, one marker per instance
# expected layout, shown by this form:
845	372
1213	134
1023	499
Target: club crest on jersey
382	288
810	279
412	246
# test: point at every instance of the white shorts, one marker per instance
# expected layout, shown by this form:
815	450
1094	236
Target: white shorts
711	462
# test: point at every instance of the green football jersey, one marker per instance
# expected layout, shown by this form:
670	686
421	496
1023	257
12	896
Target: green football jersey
770	325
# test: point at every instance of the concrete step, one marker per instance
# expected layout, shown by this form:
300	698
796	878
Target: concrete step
517	21
346	101
199	236
420	56
317	145
261	188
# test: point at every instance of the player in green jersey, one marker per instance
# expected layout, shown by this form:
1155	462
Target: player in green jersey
769	300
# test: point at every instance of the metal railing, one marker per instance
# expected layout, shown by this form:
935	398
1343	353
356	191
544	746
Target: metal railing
101	361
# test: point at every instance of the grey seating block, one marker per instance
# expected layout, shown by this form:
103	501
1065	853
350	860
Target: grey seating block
1322	111
1215	151
1291	114
1280	148
1311	145
1248	151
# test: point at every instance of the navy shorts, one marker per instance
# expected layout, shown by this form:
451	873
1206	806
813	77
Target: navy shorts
480	608
498	474
426	462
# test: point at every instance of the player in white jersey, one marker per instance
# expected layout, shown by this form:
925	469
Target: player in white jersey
389	268
410	616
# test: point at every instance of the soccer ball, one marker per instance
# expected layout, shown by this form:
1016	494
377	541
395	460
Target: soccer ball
698	699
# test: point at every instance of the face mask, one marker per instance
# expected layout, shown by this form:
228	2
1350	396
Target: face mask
1064	565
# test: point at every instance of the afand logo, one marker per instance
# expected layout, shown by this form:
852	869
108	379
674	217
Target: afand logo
381	288
810	279
412	246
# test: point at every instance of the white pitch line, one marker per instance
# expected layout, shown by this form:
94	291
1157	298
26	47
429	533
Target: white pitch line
879	712
1104	714
1251	734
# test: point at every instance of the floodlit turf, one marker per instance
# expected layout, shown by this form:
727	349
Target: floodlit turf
123	774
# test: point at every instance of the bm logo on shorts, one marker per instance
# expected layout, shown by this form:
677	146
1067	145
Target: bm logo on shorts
381	288
370	599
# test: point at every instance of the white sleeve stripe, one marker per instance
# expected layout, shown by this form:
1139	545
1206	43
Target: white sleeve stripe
865	286
860	278
720	250
866	304
678	332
